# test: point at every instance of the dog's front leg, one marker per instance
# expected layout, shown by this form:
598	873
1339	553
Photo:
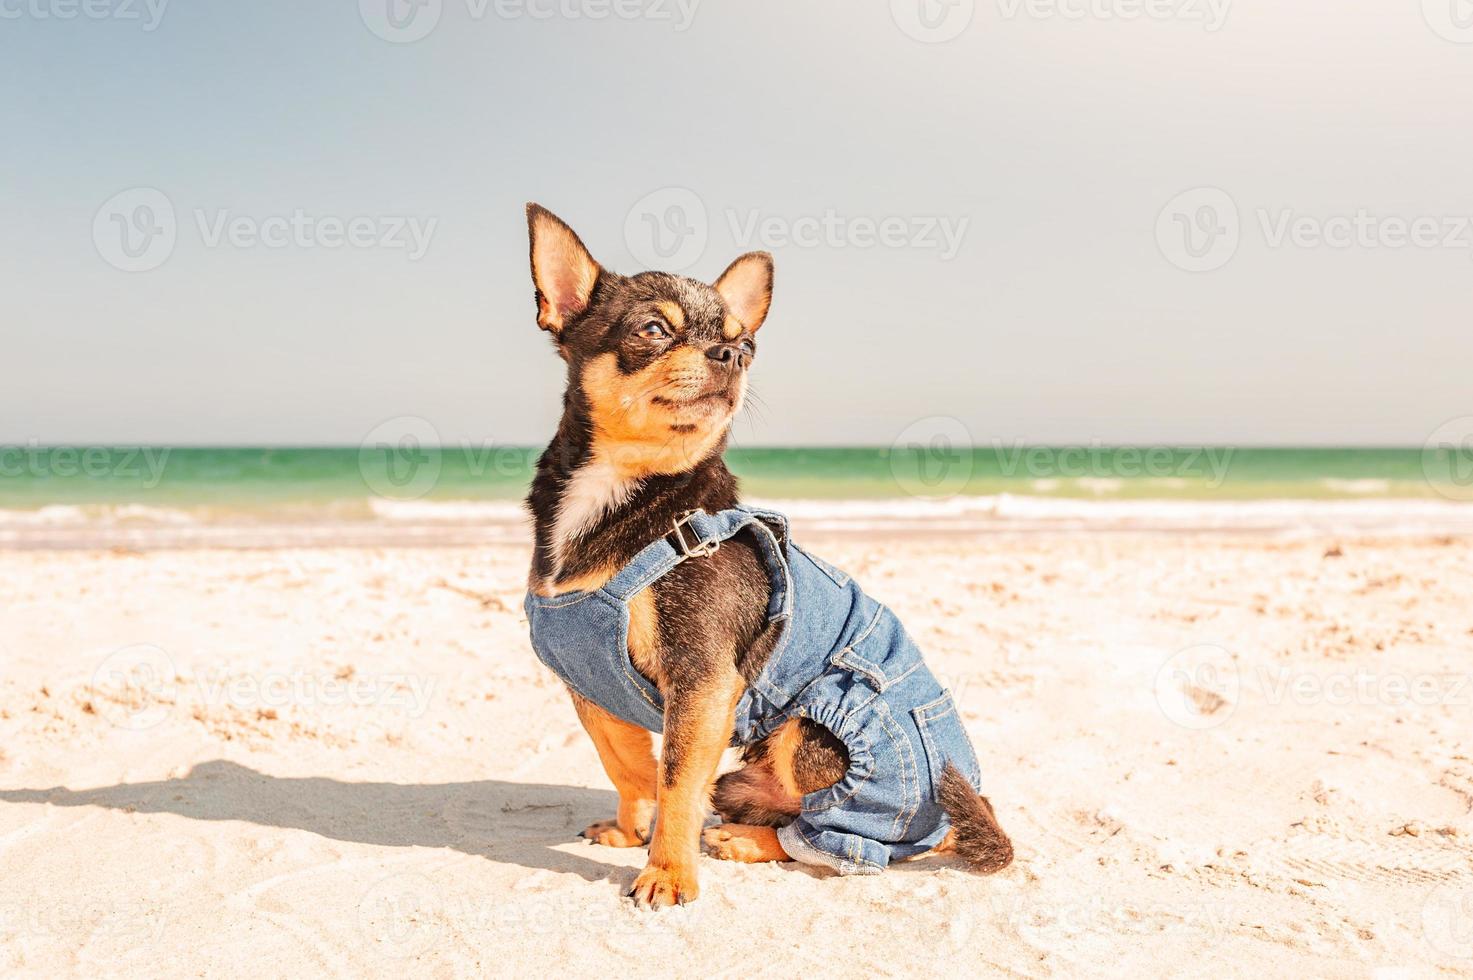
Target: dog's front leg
698	726
628	757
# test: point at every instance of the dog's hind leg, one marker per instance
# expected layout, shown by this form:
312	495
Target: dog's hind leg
757	796
799	757
745	843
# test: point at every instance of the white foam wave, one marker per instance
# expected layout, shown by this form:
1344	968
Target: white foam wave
448	511
1002	510
430	520
1361	488
64	515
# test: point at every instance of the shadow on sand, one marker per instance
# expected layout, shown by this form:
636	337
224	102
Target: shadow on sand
508	822
513	823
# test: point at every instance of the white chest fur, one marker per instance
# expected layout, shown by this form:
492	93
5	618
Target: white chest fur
595	489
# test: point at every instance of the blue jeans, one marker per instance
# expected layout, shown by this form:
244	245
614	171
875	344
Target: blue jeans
842	660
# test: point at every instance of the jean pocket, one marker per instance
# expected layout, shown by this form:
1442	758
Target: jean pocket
881	653
944	739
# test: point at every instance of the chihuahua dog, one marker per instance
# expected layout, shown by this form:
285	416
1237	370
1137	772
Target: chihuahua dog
665	605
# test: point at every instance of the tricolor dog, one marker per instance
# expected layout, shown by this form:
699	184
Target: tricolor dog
665	605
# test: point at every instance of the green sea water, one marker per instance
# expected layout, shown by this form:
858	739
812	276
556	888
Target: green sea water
342	479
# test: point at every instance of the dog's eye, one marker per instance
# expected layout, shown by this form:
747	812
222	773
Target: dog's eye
748	348
653	330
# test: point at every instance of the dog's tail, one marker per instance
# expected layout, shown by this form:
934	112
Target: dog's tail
979	839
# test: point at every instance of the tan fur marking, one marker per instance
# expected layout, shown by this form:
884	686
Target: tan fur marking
627	754
702	735
685	362
947	846
644	636
745	843
782	745
632	433
587	582
732	328
673	313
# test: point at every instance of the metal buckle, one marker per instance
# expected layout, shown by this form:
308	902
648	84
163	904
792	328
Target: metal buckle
700	549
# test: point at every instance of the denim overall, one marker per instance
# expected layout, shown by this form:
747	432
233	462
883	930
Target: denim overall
841	659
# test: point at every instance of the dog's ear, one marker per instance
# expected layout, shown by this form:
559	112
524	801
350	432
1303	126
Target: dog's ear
746	285
562	270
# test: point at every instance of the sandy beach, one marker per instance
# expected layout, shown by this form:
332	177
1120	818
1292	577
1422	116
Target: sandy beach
1112	345
1217	753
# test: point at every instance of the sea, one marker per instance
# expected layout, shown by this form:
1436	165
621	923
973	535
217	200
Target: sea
411	493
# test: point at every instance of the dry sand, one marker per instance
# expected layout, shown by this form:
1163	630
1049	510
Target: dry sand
1217	754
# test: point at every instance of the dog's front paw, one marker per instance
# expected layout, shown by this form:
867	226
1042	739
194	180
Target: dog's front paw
610	834
657	887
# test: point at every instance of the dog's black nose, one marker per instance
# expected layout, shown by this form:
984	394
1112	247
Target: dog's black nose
727	354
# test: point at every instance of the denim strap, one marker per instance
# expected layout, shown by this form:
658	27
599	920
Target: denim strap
700	531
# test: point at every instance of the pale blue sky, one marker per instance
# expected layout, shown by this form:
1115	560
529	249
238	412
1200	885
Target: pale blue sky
1046	145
